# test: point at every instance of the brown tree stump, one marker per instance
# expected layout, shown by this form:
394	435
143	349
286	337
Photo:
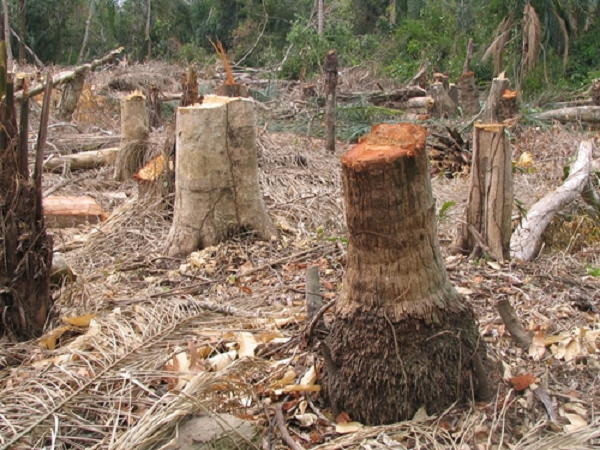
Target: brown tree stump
217	194
444	105
487	225
135	130
468	94
402	337
70	95
494	109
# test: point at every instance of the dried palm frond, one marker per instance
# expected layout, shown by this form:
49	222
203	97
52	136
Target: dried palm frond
496	48
531	39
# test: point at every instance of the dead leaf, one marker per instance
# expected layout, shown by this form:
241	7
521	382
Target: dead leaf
342	417
244	289
577	422
49	340
306	420
421	414
302	388
348	427
310	377
537	349
247	344
221	361
328	285
81	321
522	382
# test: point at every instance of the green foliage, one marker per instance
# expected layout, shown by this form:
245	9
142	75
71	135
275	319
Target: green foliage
443	214
593	271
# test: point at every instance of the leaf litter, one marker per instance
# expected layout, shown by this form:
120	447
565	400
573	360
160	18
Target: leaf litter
141	342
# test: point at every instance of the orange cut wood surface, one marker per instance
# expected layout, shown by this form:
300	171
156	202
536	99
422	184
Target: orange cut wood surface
66	212
387	142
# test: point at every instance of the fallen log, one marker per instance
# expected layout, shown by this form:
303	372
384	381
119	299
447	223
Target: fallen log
67	212
586	114
527	237
379	97
84	142
83	160
418	102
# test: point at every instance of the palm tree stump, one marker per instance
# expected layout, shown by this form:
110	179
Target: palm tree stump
217	194
402	337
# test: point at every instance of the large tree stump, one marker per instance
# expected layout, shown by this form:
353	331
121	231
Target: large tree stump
402	337
499	108
135	130
488	213
216	171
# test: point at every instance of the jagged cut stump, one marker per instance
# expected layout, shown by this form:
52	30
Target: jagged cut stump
489	206
468	94
217	194
135	129
402	337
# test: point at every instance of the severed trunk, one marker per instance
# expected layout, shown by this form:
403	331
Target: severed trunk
217	194
70	96
444	106
488	215
134	136
402	337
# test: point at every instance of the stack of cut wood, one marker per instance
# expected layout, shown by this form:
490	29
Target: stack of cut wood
450	154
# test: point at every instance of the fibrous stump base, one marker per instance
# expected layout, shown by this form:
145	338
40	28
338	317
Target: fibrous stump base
403	337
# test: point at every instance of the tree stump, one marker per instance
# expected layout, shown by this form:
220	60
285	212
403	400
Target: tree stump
444	105
402	337
134	136
487	225
217	194
493	105
70	96
468	94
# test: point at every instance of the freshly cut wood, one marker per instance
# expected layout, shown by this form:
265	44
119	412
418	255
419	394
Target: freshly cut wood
509	105
68	212
468	94
586	114
527	237
489	204
135	129
217	194
83	160
389	351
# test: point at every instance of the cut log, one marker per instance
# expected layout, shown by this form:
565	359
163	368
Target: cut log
381	97
84	142
135	130
83	160
402	337
418	103
489	204
68	212
526	239
586	114
217	194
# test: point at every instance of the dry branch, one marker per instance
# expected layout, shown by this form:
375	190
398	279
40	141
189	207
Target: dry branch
83	160
527	237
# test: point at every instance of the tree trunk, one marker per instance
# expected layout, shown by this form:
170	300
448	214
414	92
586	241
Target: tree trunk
147	30
468	94
22	30
70	96
331	78
488	217
217	194
86	34
9	57
320	18
392	12
134	136
402	337
25	248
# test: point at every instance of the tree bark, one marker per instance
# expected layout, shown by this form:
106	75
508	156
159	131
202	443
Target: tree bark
331	79
527	237
70	96
320	18
489	204
217	194
134	136
147	30
468	94
5	16
22	30
467	65
402	337
86	34
493	104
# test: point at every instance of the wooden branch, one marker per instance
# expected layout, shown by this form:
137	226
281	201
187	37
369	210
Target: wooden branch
285	435
41	144
513	324
70	75
36	60
467	64
84	160
379	97
527	237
